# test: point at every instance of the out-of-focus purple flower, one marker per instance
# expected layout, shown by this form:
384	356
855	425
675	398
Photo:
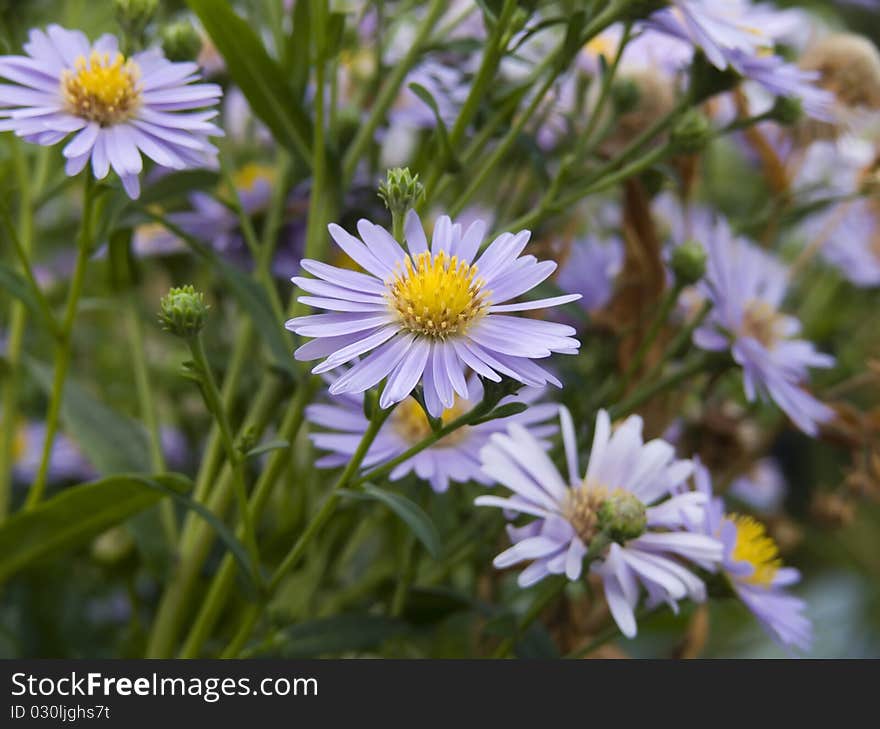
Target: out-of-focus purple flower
454	458
752	566
762	488
119	108
628	508
429	315
591	269
747	287
66	462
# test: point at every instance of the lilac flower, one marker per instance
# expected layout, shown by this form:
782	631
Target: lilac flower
429	315
762	488
118	107
746	287
627	512
735	34
752	566
66	462
454	458
591	269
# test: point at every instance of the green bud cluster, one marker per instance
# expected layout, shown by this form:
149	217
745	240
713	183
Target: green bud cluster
401	190
183	312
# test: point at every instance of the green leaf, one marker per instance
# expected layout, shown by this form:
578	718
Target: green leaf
14	284
504	411
450	160
338	634
272	445
113	442
263	82
77	514
178	185
412	514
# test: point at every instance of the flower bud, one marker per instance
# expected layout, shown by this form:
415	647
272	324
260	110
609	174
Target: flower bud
625	95
401	190
183	312
849	66
691	132
622	516
180	41
787	110
688	263
113	546
134	15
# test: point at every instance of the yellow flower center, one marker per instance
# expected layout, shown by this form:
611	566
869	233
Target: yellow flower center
103	89
581	509
252	173
762	322
437	296
753	545
411	422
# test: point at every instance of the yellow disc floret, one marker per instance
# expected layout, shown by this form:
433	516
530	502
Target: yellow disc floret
762	322
411	422
103	88
437	296
753	545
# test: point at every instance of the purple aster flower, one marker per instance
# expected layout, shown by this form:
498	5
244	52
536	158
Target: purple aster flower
627	511
429	315
118	107
752	566
762	488
66	462
591	269
747	287
455	458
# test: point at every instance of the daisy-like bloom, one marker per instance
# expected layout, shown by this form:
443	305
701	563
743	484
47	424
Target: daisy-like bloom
118	107
454	458
590	269
628	512
429	315
752	566
747	287
738	35
762	488
66	462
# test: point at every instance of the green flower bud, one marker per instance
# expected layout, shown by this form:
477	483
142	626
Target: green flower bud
625	94
401	190
113	546
180	41
134	15
691	133
622	516
787	110
688	263
183	312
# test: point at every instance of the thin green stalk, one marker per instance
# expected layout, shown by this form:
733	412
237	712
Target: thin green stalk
650	389
218	592
390	88
63	347
147	407
611	632
18	320
315	525
233	454
535	609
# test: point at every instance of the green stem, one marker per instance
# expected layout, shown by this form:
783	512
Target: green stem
148	410
18	321
315	525
535	609
233	455
611	632
652	388
390	88
218	593
63	347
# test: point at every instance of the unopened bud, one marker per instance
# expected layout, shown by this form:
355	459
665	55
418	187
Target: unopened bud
622	516
625	95
688	263
180	41
691	132
135	15
787	110
183	312
401	190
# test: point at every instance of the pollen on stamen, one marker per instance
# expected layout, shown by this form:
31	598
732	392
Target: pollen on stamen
754	546
437	296
103	88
